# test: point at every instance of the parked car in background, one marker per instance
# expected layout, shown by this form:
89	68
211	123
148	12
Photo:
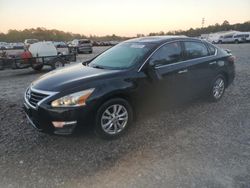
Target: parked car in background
226	38
28	42
2	45
233	38
239	38
18	45
60	44
82	45
113	43
246	36
108	90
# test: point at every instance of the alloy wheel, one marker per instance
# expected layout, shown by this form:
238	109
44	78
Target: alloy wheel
114	119
218	88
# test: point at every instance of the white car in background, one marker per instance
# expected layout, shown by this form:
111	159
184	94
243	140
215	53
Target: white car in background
238	37
28	42
246	36
2	45
82	45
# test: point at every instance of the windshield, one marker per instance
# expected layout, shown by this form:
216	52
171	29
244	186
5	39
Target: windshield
121	56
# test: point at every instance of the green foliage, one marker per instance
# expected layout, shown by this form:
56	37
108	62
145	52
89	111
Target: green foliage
51	35
56	35
225	26
38	33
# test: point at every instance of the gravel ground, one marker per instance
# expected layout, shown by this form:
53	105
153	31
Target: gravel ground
200	144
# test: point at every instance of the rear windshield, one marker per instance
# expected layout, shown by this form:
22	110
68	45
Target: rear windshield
84	41
32	41
121	56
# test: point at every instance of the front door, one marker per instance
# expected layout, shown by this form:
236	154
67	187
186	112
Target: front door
173	85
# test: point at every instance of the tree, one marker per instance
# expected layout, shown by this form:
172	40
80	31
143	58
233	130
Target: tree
226	23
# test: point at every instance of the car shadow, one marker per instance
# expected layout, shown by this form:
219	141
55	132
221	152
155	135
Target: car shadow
83	155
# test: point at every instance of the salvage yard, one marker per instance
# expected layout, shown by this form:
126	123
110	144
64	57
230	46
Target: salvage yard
199	144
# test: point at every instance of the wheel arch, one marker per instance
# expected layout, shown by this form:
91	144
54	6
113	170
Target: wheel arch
121	95
225	74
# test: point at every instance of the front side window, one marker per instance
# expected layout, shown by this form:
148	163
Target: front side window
167	54
195	50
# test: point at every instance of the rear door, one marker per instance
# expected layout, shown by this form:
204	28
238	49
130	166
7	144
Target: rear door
200	61
173	84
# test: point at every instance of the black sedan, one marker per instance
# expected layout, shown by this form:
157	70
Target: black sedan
108	90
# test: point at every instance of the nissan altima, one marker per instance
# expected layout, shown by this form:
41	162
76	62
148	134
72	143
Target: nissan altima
106	91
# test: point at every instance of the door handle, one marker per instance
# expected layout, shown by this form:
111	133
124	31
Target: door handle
182	71
213	63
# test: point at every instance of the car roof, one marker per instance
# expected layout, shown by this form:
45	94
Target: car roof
157	39
83	39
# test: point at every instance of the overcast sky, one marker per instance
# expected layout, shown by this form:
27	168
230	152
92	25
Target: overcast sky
121	17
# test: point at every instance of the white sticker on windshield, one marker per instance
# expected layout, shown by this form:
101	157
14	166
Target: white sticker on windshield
137	46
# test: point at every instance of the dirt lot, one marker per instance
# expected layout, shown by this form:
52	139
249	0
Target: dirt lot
197	145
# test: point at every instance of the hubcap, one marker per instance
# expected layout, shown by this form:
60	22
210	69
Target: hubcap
218	88
114	119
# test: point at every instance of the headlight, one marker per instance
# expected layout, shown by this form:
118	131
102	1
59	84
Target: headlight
74	99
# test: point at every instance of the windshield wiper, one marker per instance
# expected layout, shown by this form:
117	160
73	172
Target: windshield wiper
98	67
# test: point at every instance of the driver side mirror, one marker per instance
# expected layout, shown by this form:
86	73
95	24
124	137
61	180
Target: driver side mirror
85	63
152	71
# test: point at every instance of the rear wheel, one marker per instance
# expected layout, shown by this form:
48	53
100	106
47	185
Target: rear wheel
57	64
113	118
217	88
236	41
37	67
78	50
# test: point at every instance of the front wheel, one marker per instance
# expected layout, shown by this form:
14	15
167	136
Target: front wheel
113	118
217	88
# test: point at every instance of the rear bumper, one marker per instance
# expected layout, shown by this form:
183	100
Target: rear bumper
84	49
231	76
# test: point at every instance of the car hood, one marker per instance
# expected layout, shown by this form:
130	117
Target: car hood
70	77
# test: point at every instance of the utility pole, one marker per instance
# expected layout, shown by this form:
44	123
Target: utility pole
202	22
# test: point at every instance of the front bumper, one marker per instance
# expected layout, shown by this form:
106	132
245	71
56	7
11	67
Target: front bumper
42	117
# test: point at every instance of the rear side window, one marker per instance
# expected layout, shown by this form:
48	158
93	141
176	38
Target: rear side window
228	36
167	54
212	49
195	50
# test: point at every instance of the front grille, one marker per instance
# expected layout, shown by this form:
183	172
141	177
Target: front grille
34	97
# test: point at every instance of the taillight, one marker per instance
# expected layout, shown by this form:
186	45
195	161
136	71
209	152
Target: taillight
231	59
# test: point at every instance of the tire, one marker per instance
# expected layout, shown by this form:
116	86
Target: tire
236	41
37	67
108	125
1	65
217	88
57	64
220	42
91	52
